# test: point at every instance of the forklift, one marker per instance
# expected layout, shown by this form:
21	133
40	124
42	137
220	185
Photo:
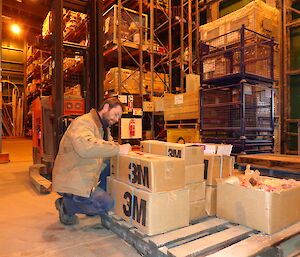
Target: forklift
52	114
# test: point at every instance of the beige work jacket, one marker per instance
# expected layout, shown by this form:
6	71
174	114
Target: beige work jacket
79	161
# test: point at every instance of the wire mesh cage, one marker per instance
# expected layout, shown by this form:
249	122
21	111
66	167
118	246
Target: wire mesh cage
242	52
242	108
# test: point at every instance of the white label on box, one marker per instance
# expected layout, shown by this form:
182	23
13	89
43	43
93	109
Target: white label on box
178	99
137	111
122	99
224	150
248	90
210	149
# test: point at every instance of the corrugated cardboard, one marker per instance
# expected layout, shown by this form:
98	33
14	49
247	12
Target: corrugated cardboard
194	173
217	166
192	82
182	106
191	154
196	190
197	210
152	213
265	211
211	200
182	136
153	173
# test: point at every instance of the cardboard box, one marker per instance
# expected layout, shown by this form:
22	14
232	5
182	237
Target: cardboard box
196	191
194	173
222	149
265	211
217	166
158	104
154	147
153	173
211	200
184	106
197	210
182	136
192	82
152	213
148	106
191	154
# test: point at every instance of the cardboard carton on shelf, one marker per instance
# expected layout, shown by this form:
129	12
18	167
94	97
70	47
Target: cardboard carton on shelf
152	213
197	210
217	166
258	209
191	154
196	191
194	173
153	173
211	200
182	106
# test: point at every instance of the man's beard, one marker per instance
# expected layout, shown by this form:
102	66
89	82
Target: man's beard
105	121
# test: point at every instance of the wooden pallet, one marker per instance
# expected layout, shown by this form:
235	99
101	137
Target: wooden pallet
41	184
210	236
290	162
194	123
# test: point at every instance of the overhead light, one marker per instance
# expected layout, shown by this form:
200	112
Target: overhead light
15	28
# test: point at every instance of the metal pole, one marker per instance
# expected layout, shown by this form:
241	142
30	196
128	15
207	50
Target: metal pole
152	60
298	137
58	87
1	76
182	46
170	44
100	58
93	71
190	36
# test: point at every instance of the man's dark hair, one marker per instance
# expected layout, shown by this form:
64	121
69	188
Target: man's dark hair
112	102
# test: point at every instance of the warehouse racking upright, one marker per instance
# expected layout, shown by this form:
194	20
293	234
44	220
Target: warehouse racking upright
137	54
290	119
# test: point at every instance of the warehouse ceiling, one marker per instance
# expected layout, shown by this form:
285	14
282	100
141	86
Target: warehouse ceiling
29	14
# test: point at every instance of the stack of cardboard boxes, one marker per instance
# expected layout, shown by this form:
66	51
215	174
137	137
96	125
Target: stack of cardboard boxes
193	170
204	163
149	191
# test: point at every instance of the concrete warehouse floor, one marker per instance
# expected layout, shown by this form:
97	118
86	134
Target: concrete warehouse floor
29	224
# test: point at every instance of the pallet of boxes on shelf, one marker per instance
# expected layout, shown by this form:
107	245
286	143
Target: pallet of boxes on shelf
256	16
181	115
130	81
241	52
129	27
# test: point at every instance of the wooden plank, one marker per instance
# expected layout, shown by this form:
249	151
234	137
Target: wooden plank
163	239
271	160
42	184
209	243
257	243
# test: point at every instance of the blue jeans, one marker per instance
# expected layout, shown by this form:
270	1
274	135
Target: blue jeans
99	201
104	174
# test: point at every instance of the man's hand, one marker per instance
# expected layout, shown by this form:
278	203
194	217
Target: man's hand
125	149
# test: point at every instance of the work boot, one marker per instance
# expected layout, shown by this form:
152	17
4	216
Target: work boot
64	218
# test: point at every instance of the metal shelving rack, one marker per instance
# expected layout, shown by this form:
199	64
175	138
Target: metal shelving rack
288	23
237	98
189	38
153	55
